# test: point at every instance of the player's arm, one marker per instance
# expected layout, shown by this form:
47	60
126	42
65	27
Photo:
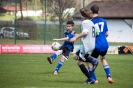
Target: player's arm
61	39
107	34
78	36
106	29
81	35
69	36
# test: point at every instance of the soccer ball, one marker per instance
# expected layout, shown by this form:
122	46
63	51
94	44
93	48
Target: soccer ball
55	46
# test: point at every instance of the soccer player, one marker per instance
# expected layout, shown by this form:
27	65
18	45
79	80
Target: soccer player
102	45
88	40
66	48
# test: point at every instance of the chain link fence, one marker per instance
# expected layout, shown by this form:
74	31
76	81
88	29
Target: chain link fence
31	32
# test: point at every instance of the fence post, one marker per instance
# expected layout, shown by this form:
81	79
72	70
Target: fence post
45	23
15	20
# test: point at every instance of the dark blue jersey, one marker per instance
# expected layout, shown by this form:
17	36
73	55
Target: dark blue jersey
67	44
101	41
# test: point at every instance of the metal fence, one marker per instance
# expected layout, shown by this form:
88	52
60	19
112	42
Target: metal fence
38	34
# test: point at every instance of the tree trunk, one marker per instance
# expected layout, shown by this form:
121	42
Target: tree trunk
60	20
20	3
60	29
42	7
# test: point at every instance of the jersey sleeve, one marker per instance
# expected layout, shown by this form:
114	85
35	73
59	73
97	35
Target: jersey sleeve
71	35
84	27
105	27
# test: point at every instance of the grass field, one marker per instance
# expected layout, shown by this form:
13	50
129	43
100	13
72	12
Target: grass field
34	71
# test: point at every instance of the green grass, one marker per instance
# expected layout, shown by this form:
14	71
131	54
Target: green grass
6	17
41	41
34	71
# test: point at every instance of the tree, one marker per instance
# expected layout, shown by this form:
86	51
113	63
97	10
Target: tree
4	3
57	8
20	6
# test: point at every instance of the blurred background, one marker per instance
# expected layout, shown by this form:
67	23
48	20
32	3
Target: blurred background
39	21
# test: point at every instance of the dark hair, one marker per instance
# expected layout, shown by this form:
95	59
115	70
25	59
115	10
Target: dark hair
70	22
94	9
85	12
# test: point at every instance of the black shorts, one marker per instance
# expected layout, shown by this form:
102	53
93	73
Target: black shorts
96	53
65	52
86	55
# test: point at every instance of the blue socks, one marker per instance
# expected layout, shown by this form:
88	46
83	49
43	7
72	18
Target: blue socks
59	66
107	70
92	73
60	63
53	56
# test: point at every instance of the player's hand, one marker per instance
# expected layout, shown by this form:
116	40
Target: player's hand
72	39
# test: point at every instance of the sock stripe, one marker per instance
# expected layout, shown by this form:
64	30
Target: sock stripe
61	62
106	66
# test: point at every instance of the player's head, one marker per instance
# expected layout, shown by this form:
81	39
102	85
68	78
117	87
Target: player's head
94	9
85	12
69	25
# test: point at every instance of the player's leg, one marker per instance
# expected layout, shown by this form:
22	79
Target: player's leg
55	55
93	61
106	67
65	55
76	55
92	73
82	67
94	54
89	58
59	65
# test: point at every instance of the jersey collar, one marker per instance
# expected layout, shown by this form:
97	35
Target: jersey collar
94	17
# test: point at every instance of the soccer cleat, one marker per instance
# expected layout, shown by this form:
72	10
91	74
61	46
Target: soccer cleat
49	59
110	80
89	82
95	64
55	73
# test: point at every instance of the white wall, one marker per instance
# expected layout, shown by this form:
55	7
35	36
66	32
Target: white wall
30	13
132	31
119	31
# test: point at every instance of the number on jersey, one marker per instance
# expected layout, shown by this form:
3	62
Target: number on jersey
99	24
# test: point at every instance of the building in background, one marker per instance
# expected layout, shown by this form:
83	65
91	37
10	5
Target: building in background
119	16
